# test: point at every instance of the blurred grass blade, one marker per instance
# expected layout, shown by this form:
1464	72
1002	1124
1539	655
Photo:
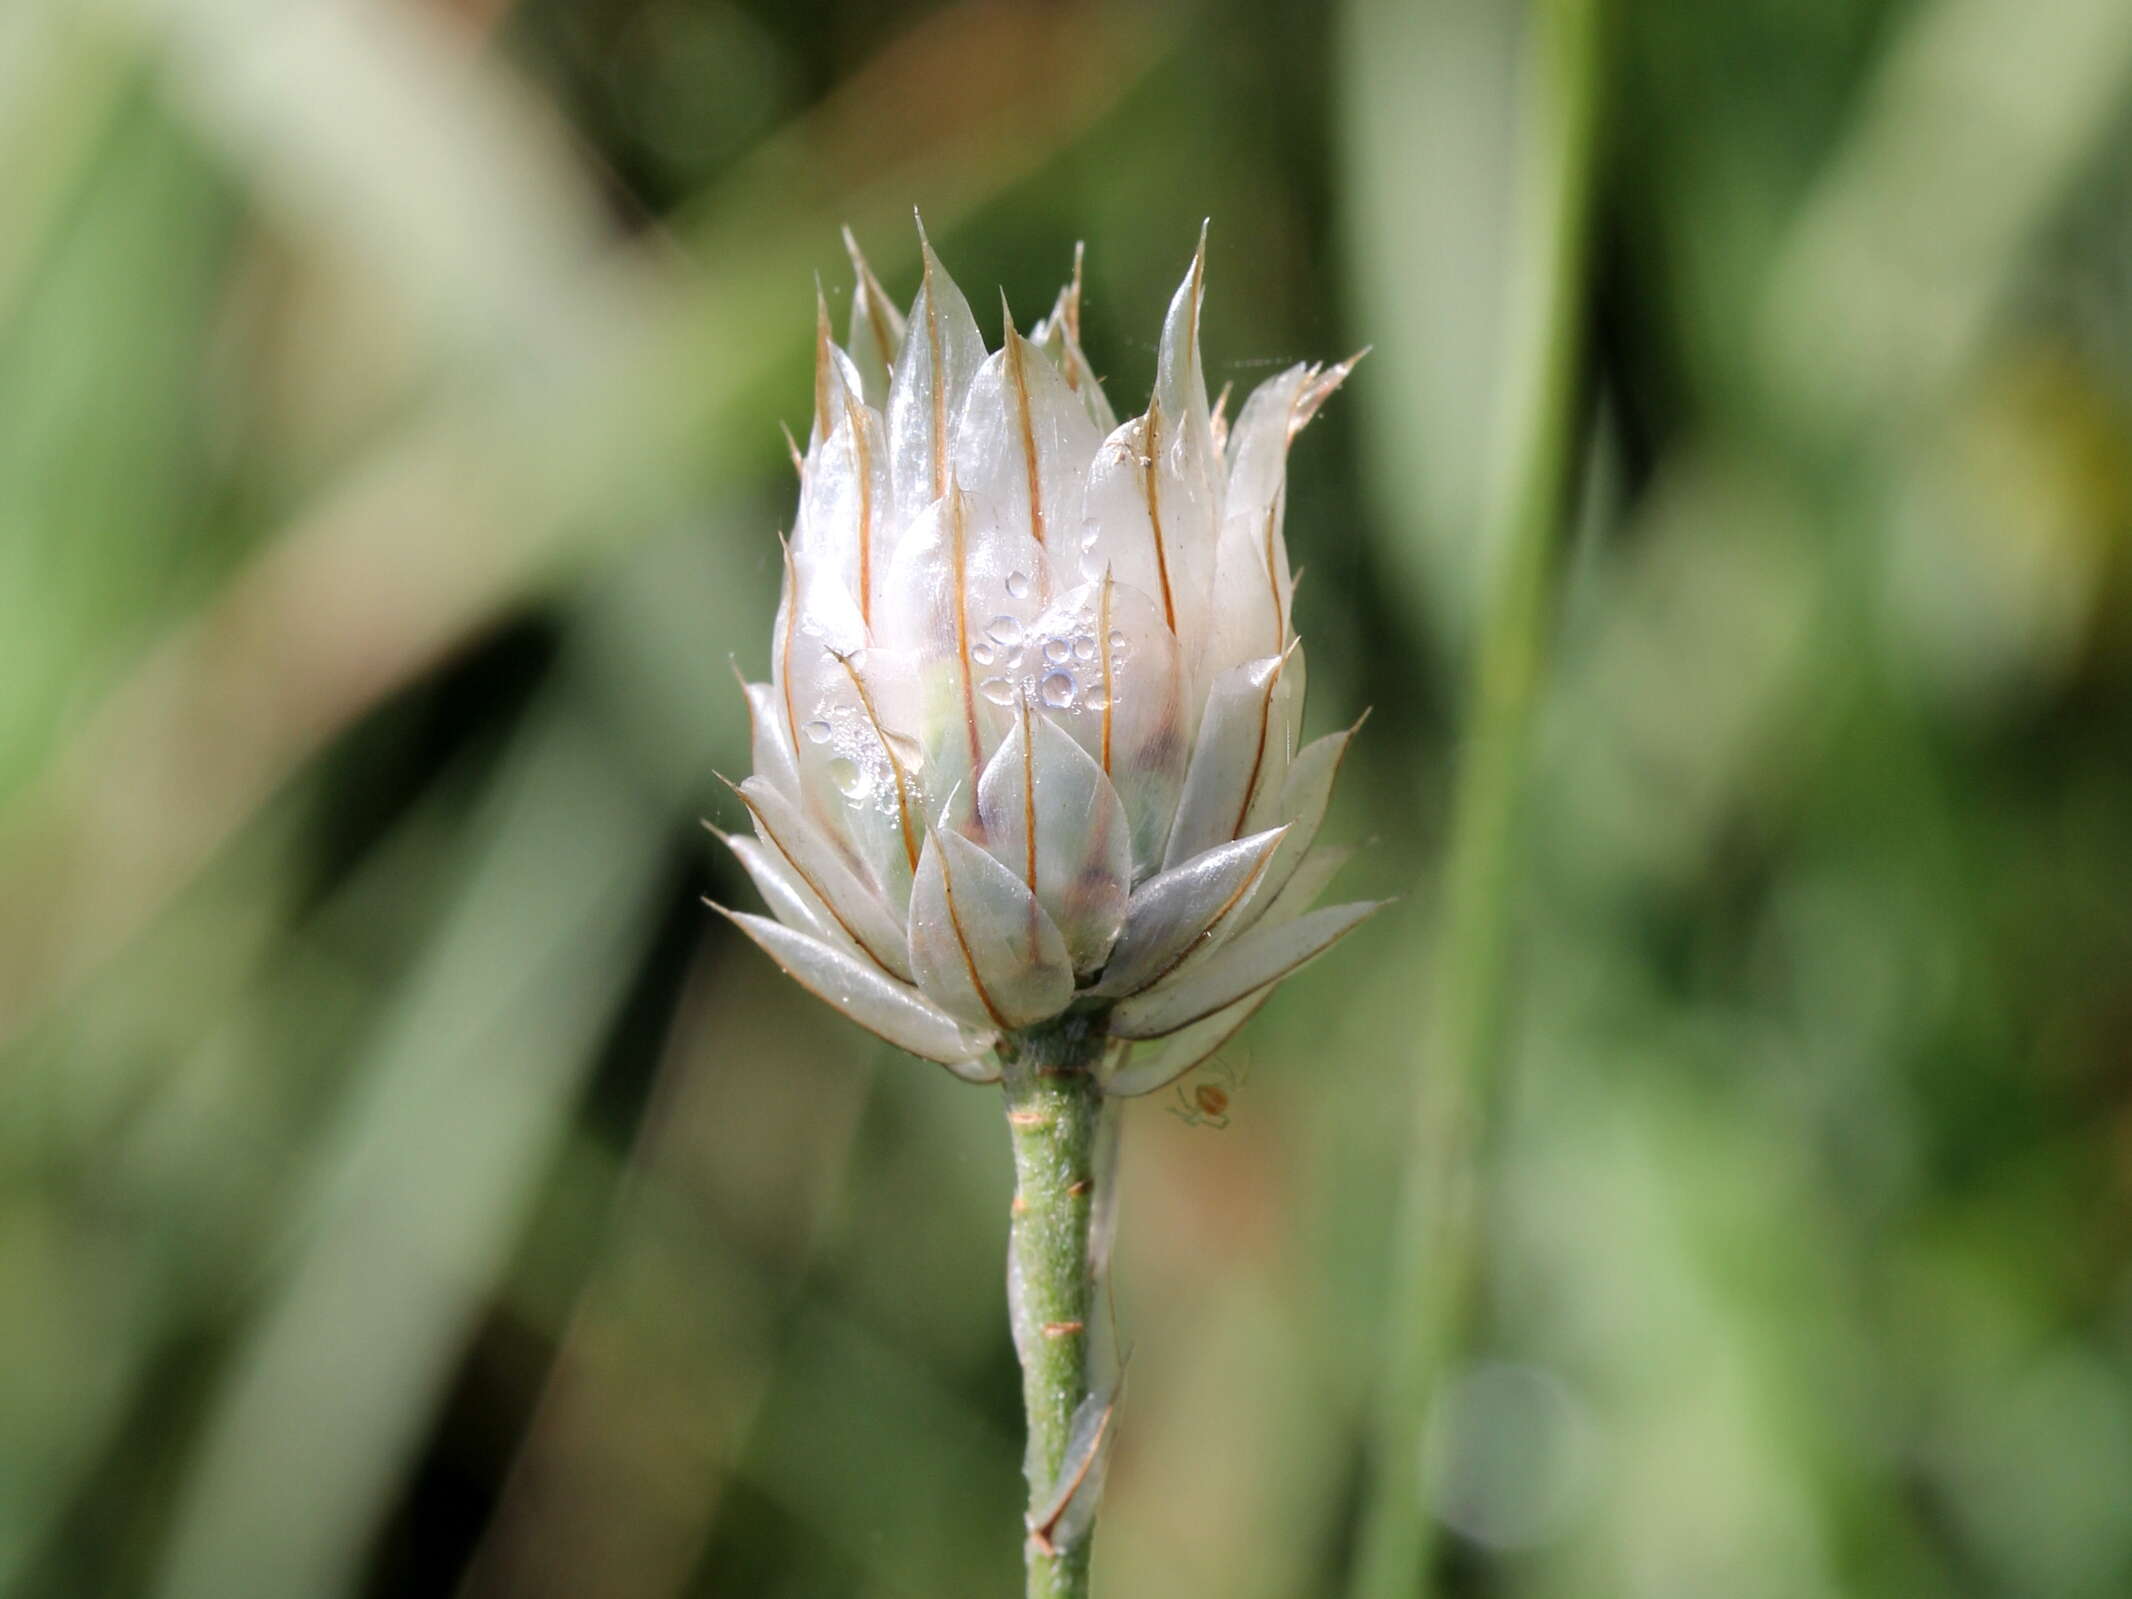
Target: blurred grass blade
62	78
420	1188
1436	1227
1429	134
371	129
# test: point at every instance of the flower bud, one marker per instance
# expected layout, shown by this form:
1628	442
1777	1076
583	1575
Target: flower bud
1030	739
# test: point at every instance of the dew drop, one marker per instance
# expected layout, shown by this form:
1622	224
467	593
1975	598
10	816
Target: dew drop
1095	699
1084	648
1004	631
1056	650
1058	690
850	777
984	652
1117	639
1018	585
999	690
817	732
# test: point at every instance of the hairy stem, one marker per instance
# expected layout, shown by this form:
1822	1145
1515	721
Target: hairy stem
1054	1116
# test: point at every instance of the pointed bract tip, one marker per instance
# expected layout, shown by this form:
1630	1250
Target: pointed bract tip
718	833
1006	319
1367	712
799	461
1318	387
1073	293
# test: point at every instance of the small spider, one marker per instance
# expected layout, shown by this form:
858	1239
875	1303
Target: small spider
1207	1105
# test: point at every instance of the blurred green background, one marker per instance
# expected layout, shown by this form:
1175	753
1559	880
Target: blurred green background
407	1189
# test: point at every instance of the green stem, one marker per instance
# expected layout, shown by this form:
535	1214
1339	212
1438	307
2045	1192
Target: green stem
1054	1115
1437	1225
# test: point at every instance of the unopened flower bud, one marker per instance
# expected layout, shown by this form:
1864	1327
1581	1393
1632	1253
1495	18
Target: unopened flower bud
1029	743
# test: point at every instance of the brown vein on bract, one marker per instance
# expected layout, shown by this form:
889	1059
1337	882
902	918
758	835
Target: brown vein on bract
959	533
1273	578
1029	802
784	645
1258	757
822	342
1020	376
1110	695
940	380
862	462
815	888
874	299
962	939
777	960
1235	898
1073	293
1347	742
1282	975
895	766
740	677
1149	447
1199	289
1040	1532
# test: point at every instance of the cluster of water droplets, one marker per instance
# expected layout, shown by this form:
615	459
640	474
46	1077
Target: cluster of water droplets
858	765
1058	670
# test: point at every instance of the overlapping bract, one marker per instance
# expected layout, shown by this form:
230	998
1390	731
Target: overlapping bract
1030	737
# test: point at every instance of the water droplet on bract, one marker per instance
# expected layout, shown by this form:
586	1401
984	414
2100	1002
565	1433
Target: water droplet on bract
1095	699
1084	648
1018	585
983	653
1058	690
1004	631
817	732
999	690
850	777
1056	650
1117	640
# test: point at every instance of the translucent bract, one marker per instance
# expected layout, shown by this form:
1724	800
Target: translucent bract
1030	740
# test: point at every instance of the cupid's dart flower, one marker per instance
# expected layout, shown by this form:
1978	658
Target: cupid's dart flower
1029	744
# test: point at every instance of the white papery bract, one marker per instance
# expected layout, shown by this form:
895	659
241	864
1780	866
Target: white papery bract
1030	739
